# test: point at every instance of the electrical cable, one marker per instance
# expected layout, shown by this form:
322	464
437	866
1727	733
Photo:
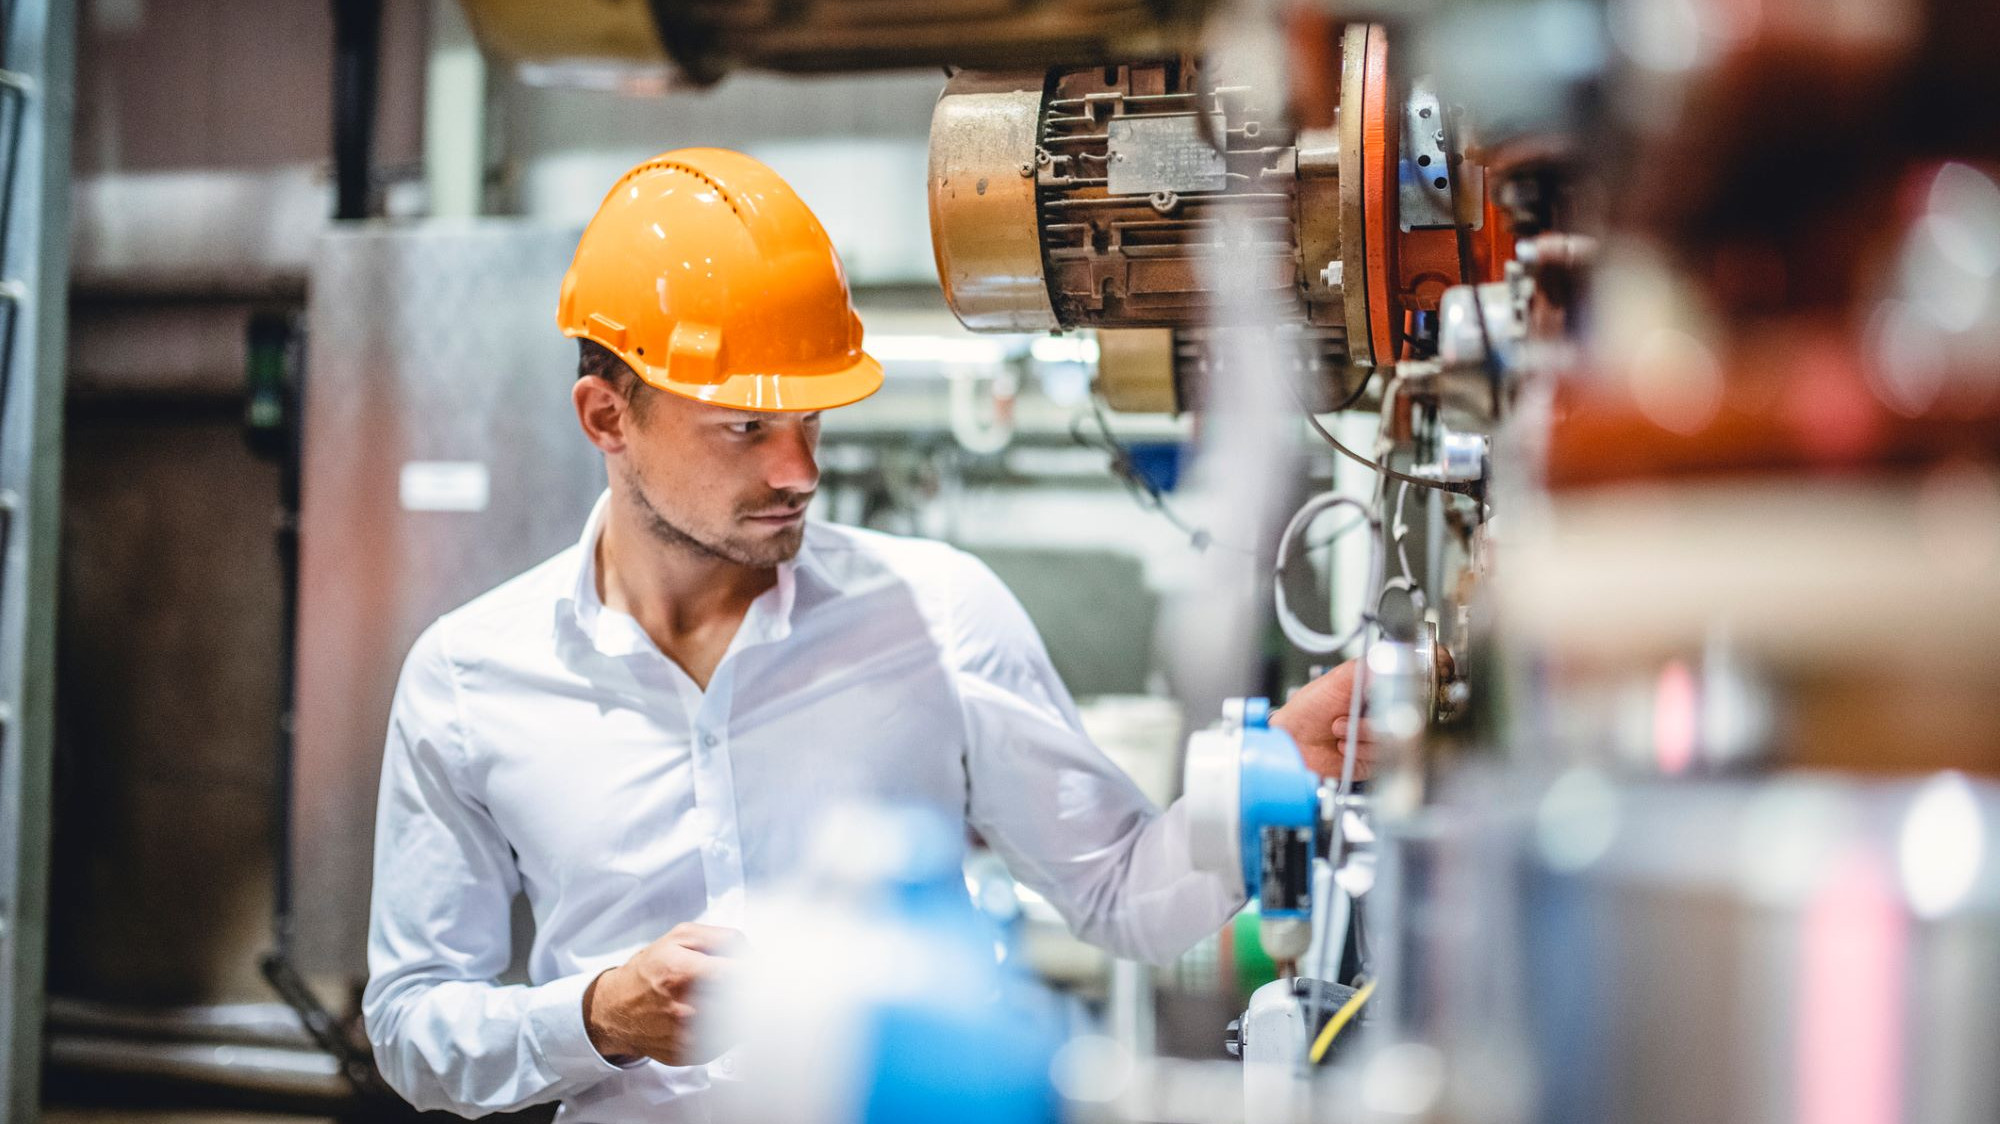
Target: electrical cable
1340	1020
1405	582
1380	469
1359	391
1398	531
1336	534
1144	492
1327	963
1302	635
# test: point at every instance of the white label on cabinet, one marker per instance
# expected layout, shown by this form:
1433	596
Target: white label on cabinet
444	486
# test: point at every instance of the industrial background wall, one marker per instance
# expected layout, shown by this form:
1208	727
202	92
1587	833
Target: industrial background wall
162	856
200	141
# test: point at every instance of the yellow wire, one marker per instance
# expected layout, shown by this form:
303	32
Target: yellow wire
1339	1020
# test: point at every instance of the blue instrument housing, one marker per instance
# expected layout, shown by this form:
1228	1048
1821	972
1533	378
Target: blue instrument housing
1278	791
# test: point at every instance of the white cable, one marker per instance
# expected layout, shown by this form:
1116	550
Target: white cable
1333	944
1399	530
1302	635
1405	582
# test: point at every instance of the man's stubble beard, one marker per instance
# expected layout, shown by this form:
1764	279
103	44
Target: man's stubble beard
779	548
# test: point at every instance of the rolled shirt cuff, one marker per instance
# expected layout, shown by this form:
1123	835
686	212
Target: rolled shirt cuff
555	1019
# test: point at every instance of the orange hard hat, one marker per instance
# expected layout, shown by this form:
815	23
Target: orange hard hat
707	274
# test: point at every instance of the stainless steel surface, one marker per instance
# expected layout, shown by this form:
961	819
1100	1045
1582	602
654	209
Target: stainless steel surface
984	227
1462	457
429	347
1793	949
39	59
1478	322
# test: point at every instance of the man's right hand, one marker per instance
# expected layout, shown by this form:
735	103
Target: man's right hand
646	1007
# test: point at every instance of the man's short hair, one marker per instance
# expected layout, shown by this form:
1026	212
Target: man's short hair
594	358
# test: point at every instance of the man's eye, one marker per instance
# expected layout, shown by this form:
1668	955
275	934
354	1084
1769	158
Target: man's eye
745	428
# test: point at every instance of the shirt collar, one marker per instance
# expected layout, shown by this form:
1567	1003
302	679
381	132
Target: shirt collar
614	633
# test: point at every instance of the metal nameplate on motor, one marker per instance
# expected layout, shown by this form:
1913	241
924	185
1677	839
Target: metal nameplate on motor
1165	153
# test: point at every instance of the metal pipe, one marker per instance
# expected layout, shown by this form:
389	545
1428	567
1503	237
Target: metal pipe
263	1069
355	1067
244	1024
357	59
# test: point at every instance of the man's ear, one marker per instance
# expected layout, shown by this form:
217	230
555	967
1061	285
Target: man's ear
603	413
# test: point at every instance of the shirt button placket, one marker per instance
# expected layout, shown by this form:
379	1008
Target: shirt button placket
715	790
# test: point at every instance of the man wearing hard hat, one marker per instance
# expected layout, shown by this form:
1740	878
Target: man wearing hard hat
638	732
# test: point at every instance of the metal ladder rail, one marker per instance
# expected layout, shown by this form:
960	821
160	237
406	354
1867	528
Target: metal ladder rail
37	57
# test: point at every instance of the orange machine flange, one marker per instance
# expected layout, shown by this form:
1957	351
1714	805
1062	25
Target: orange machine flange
1380	148
1391	272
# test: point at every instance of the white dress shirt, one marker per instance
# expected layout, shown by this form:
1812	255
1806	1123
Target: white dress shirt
541	743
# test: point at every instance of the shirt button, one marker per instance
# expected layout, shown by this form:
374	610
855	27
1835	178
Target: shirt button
710	740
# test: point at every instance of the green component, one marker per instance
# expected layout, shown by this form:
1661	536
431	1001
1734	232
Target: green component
1253	969
267	382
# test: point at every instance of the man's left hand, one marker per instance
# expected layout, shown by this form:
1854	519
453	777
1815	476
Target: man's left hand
1317	717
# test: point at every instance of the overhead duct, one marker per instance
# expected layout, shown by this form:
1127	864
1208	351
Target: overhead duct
705	39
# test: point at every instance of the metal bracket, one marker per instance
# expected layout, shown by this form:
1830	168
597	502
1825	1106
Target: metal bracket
1427	171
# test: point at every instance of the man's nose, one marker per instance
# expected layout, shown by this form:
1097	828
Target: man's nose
793	466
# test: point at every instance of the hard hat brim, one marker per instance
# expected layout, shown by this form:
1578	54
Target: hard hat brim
780	393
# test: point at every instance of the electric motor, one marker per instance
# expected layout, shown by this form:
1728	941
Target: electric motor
1100	196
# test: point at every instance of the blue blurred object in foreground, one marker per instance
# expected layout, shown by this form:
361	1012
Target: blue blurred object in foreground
877	995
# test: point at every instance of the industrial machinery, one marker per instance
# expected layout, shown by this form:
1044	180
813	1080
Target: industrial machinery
1093	197
1629	853
1110	198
